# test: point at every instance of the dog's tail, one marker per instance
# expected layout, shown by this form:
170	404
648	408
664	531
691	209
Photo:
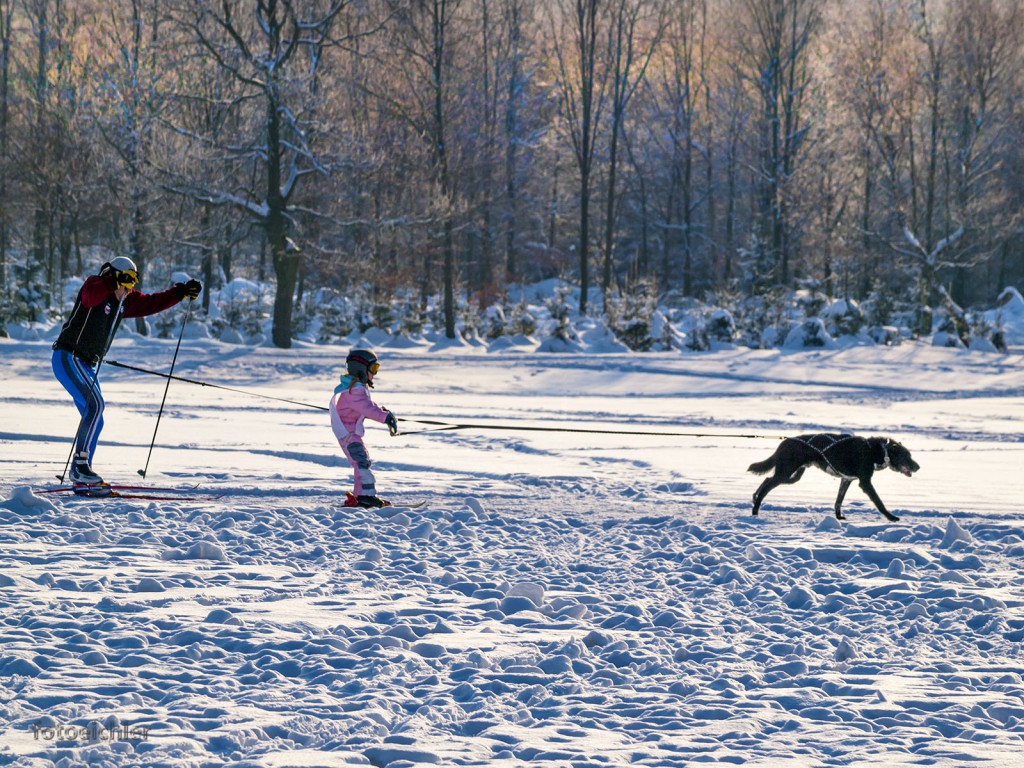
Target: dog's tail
762	467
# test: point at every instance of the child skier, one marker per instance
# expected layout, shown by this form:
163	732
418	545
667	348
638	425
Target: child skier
350	405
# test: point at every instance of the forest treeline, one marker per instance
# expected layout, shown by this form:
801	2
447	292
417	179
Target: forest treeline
694	148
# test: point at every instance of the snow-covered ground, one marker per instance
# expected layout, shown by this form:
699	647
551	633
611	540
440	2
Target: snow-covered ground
563	599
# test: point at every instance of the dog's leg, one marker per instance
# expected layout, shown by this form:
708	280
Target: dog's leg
774	482
795	476
762	491
844	484
869	489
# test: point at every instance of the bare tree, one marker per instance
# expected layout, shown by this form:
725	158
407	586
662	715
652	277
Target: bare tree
129	93
860	73
505	121
425	32
634	32
272	55
578	29
681	90
41	14
54	145
936	128
986	58
775	58
6	34
517	75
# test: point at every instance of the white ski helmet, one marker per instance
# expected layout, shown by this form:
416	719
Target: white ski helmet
122	264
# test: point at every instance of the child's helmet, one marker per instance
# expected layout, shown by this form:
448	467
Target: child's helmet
361	364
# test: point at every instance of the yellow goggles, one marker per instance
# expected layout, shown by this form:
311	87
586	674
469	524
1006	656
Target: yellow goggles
128	278
373	368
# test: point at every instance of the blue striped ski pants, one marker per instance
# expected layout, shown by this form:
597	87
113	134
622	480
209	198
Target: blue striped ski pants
79	379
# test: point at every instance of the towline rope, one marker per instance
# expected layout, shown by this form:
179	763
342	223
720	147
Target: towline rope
445	426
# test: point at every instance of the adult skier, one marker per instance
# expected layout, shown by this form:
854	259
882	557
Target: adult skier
350	405
102	302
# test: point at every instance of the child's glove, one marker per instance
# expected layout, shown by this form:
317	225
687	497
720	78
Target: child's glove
392	423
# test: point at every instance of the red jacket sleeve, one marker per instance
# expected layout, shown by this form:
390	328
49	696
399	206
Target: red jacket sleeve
96	289
138	304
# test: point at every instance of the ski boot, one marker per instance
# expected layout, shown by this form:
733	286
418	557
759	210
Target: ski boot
85	481
364	501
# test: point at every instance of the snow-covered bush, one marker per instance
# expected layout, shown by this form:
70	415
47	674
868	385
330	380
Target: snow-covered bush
333	313
563	336
946	339
30	299
1007	319
811	301
810	333
878	308
523	322
382	315
494	322
843	317
242	305
629	316
764	321
886	335
412	320
721	326
665	334
470	321
714	325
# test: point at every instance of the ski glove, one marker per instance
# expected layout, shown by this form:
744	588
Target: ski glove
191	289
392	423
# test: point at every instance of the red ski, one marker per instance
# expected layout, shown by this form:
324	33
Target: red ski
143	492
99	486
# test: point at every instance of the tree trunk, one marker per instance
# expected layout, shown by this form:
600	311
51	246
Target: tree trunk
137	237
5	61
286	267
284	259
584	239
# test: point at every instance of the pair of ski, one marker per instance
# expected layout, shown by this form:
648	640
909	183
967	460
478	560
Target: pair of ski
140	492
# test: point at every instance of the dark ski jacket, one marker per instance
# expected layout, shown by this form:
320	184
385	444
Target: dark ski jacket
90	327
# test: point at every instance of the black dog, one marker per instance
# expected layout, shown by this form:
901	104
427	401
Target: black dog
845	456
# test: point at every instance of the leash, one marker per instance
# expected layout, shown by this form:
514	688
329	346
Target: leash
444	426
216	386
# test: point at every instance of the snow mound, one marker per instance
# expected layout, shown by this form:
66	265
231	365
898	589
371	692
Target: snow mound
24	502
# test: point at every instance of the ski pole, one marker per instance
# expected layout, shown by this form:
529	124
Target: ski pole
92	387
181	333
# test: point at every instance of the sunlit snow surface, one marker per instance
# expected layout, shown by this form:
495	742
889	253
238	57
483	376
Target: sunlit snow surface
564	598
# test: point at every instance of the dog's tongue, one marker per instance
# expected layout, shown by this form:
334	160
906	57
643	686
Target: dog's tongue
906	471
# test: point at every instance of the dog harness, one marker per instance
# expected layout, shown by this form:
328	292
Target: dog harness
885	456
830	468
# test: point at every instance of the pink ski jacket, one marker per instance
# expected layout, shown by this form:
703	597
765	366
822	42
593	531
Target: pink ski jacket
350	405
